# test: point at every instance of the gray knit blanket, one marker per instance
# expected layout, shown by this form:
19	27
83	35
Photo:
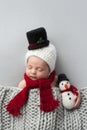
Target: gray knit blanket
35	119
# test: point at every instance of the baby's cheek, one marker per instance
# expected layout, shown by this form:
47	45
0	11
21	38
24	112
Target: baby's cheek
39	75
45	75
28	72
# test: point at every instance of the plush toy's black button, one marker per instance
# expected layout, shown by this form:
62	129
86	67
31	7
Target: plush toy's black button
70	98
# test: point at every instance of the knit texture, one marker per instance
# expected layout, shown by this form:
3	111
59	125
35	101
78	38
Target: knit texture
34	119
48	54
47	102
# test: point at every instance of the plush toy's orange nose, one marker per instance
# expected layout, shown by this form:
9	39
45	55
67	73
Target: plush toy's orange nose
66	86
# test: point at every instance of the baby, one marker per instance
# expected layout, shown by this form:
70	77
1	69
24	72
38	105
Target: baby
40	62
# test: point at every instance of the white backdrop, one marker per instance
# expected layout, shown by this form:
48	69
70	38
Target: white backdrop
66	25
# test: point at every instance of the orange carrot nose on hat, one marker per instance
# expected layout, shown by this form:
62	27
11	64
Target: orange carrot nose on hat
40	46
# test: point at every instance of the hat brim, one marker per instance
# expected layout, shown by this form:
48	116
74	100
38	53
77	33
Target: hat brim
39	45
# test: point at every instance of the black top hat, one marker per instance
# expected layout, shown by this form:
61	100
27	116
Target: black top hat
37	38
62	77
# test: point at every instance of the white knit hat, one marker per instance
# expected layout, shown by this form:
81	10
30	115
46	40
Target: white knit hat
44	50
48	54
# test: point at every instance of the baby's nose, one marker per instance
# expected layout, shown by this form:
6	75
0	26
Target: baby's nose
33	71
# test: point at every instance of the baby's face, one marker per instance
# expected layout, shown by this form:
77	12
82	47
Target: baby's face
36	68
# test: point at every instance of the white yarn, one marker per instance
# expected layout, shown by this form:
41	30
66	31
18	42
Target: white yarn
34	119
48	54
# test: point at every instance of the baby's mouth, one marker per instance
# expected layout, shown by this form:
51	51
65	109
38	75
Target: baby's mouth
33	77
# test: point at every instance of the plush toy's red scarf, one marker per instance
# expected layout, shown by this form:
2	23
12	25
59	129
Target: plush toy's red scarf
73	89
47	102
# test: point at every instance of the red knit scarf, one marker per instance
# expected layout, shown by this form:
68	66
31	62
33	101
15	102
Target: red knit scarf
47	101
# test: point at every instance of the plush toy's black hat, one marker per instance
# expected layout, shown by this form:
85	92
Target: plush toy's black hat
62	77
37	38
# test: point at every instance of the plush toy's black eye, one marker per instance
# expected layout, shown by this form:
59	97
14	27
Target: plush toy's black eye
67	82
62	83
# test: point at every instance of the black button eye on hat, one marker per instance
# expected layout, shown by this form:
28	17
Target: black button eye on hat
62	77
37	38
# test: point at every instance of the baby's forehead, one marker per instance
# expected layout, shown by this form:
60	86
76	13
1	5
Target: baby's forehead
35	59
37	62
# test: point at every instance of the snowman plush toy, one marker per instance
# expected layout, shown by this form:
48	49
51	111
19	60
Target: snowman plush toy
68	91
